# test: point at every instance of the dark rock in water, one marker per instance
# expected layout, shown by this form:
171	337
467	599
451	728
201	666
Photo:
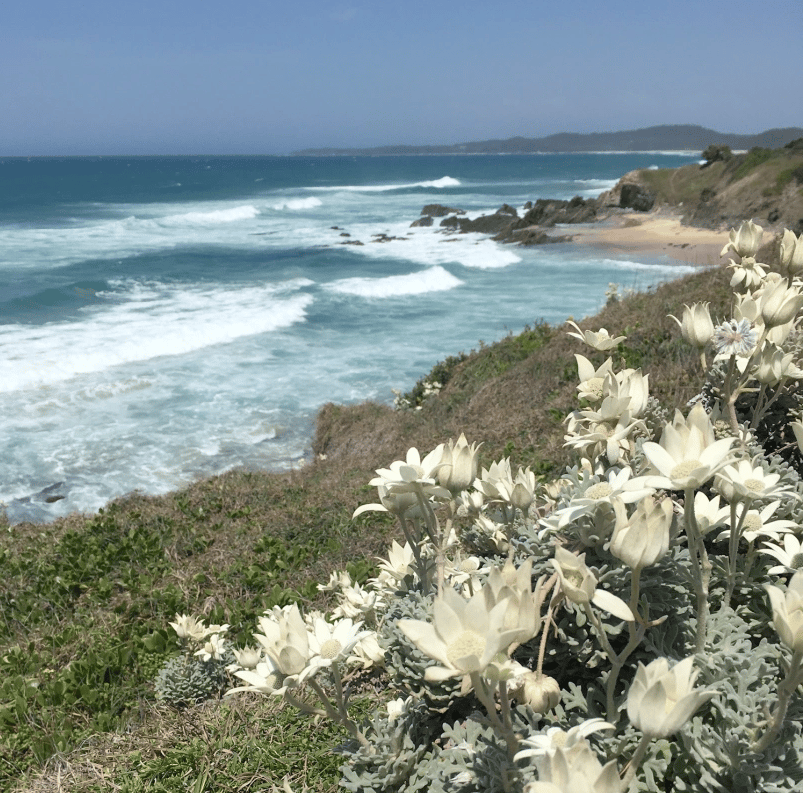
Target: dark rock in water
530	236
424	221
439	210
385	238
345	234
486	224
549	211
35	508
352	242
506	209
528	205
635	196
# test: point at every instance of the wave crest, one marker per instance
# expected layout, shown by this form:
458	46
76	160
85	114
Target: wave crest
434	279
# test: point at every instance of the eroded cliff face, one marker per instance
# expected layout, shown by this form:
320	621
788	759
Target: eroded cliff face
764	185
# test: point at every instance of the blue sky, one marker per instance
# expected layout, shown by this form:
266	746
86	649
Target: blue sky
179	77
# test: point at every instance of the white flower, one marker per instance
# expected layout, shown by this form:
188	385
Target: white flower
248	657
595	490
591	379
661	700
214	647
399	563
745	241
188	627
496	482
331	643
643	539
555	738
734	337
458	465
464	635
575	770
708	513
513	586
749	273
758	524
264	678
688	454
746	482
397	707
469	570
600	340
579	584
399	483
632	385
790	556
787	612
285	639
779	303
792	252
367	653
696	326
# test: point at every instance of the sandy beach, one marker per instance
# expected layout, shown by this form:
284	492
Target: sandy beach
655	234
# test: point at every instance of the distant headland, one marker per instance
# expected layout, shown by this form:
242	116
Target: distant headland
668	137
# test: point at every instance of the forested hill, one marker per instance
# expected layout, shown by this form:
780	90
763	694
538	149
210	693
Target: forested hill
676	137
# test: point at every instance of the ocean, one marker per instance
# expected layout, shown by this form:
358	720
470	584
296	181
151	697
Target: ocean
169	318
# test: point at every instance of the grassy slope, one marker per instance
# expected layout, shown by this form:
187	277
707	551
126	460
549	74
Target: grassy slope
763	184
80	596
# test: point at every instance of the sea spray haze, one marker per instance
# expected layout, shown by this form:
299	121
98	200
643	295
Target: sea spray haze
168	318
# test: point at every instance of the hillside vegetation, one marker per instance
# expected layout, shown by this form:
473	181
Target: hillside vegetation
86	600
763	184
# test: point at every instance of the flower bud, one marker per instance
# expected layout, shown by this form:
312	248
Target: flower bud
661	700
792	253
779	303
644	539
459	464
745	241
539	691
787	612
696	326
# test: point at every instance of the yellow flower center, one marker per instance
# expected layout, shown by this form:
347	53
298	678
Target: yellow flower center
330	649
466	644
604	429
594	386
682	470
573	578
752	521
754	485
599	490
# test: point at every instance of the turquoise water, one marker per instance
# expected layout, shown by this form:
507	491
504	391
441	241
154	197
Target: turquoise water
163	319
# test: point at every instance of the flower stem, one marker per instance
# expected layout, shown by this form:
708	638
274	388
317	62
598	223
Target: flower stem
700	565
635	762
785	690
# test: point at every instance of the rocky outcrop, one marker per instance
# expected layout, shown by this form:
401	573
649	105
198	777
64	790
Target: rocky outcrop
485	224
765	185
439	211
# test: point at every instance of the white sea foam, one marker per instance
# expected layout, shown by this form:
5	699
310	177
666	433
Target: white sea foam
142	321
438	184
435	279
232	215
669	269
298	203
